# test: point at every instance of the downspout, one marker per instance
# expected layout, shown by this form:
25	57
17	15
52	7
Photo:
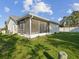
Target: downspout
48	30
30	26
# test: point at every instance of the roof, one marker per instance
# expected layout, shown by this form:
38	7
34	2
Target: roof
2	29
18	18
41	18
44	19
15	17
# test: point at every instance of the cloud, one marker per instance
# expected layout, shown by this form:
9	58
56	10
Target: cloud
7	9
42	7
37	1
75	6
60	18
69	11
27	4
37	6
15	2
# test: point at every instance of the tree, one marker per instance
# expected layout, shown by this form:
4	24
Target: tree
71	20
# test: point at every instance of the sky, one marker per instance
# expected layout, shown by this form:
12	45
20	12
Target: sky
53	10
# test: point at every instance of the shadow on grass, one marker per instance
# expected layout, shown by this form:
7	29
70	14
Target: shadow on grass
47	55
32	52
7	44
41	47
35	49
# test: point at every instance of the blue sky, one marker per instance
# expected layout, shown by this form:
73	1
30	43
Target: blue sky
51	9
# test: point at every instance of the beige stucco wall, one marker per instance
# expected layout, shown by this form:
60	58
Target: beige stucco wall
34	35
12	27
3	31
53	28
69	29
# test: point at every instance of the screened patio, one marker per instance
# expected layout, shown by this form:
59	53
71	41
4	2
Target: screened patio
31	26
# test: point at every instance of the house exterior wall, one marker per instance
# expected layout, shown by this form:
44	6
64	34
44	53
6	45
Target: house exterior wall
69	29
36	35
38	28
12	27
3	31
53	28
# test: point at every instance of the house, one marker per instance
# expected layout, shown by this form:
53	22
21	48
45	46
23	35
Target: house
2	30
12	25
31	26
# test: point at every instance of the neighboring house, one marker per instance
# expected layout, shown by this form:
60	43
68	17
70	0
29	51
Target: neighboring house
2	30
31	26
11	24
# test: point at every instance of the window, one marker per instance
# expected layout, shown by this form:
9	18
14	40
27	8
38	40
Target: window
23	26
43	27
39	26
35	26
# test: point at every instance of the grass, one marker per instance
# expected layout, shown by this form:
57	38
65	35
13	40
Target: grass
45	47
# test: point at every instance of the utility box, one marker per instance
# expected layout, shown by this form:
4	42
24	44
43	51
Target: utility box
62	55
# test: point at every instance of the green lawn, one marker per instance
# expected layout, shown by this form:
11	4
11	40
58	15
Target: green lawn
45	47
